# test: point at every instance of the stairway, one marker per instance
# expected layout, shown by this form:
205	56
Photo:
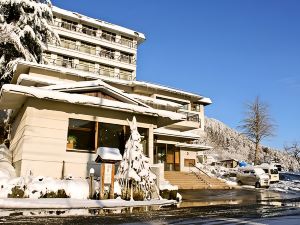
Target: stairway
186	180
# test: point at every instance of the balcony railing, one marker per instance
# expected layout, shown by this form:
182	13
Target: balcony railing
93	33
127	59
88	31
69	63
107	54
87	49
68	44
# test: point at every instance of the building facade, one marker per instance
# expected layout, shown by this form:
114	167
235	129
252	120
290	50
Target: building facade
80	98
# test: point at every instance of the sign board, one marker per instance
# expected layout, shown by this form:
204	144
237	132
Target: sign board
107	173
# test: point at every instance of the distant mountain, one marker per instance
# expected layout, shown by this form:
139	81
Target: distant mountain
228	143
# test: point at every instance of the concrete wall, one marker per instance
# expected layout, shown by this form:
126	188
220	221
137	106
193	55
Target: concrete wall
40	137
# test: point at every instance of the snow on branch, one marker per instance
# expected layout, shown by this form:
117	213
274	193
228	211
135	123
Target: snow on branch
25	28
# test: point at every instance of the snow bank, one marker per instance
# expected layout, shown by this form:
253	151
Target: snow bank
75	188
76	203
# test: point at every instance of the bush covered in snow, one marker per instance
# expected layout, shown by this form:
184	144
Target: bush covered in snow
136	179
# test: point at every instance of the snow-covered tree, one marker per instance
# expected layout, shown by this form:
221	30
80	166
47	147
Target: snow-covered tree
24	31
134	174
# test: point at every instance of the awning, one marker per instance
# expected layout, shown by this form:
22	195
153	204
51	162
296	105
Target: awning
175	133
193	146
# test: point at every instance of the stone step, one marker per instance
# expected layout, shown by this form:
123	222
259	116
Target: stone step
192	181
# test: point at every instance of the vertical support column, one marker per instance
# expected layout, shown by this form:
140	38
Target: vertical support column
112	183
102	172
118	38
117	73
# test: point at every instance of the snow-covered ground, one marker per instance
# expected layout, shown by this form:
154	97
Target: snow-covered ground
289	183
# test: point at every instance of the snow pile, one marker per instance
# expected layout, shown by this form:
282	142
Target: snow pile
228	144
6	169
74	188
166	185
134	173
25	27
40	187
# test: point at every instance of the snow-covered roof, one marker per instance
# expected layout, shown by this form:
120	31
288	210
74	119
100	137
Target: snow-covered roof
10	93
147	99
28	80
97	22
193	146
24	66
95	85
109	154
175	133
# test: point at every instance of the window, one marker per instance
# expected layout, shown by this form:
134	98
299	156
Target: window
108	36
196	107
89	30
127	58
189	162
107	53
81	135
70	25
126	41
89	135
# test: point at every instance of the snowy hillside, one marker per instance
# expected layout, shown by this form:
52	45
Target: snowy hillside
228	143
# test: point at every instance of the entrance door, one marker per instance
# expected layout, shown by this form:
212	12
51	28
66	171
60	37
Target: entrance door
169	155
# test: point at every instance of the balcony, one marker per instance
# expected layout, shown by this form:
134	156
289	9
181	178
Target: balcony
126	59
107	54
103	71
93	33
192	122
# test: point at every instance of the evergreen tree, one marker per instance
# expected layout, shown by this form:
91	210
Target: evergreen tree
24	32
134	174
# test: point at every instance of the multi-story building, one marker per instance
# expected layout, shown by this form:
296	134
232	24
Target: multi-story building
62	111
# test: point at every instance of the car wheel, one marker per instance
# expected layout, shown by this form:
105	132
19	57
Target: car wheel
239	182
257	185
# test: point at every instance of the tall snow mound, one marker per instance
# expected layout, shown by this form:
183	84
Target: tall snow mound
228	143
6	169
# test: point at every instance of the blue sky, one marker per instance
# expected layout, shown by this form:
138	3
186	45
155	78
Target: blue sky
230	51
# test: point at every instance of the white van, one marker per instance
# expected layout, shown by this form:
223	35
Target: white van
272	170
253	176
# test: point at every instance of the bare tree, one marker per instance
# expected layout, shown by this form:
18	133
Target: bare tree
257	124
294	150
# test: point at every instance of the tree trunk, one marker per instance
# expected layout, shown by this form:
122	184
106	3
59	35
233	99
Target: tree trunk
256	153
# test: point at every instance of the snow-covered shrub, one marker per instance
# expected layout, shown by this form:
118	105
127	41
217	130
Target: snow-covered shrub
16	192
134	174
24	32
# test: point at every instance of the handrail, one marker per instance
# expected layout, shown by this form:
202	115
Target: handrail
200	170
197	175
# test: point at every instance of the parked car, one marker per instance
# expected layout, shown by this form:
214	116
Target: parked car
253	176
272	170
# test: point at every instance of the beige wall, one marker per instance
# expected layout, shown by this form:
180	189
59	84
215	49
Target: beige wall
42	134
187	154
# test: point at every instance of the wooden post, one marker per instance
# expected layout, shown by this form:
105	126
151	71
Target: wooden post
91	186
101	196
112	183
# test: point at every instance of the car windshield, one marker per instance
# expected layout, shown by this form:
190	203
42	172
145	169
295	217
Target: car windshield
259	171
274	171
